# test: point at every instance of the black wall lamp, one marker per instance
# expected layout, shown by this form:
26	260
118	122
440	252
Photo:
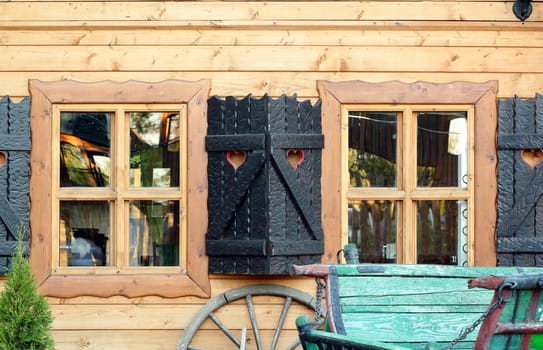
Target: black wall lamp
522	9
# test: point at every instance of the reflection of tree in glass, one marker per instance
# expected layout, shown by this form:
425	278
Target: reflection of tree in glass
141	125
135	161
370	170
425	176
146	125
140	121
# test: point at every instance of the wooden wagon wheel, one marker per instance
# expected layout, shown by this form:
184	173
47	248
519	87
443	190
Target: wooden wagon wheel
247	292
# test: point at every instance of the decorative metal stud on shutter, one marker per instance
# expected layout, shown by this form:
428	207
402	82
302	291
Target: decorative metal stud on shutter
520	182
14	175
264	172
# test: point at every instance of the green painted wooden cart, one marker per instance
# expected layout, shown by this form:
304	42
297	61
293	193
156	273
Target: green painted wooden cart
400	307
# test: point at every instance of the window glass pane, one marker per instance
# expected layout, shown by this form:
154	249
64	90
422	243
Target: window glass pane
154	233
442	149
442	228
372	227
154	149
84	236
85	149
372	149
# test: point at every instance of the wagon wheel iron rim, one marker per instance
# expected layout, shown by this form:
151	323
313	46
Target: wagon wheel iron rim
246	292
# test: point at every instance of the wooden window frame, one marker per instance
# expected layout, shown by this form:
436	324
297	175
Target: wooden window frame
406	193
119	190
45	95
482	96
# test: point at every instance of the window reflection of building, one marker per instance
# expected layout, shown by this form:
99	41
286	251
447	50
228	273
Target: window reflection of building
154	149
84	150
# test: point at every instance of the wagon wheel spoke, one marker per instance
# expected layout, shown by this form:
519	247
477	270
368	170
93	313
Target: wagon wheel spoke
281	322
294	345
247	293
194	348
225	329
252	316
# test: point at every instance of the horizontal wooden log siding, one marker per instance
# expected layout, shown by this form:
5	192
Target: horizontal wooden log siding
280	58
251	47
271	11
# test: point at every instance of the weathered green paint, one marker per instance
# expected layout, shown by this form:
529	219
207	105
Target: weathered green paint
397	270
304	321
417	306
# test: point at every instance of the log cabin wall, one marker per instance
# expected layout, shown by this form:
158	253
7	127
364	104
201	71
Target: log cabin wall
259	48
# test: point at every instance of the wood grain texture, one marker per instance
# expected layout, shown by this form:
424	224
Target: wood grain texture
259	83
263	206
155	339
351	34
278	58
257	11
278	46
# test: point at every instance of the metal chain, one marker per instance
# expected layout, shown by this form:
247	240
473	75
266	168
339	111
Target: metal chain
318	301
500	300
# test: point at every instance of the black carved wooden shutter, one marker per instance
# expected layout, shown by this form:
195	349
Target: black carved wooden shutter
520	182
264	171
14	175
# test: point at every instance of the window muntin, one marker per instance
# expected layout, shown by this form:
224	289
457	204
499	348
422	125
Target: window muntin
400	160
146	147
